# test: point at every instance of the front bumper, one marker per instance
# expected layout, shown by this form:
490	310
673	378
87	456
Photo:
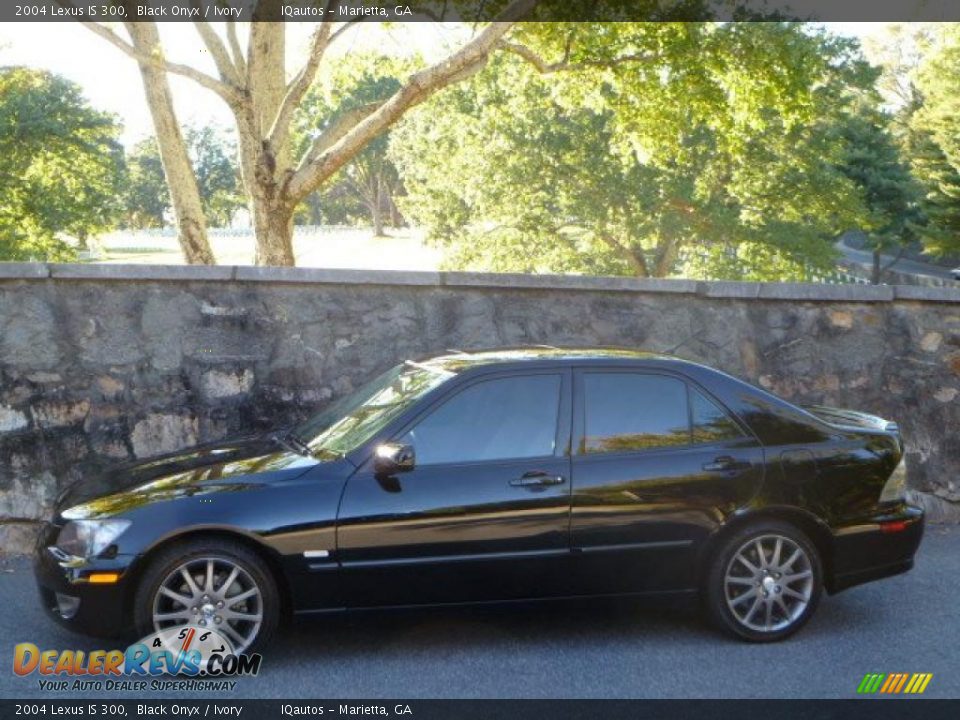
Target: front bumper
875	549
93	608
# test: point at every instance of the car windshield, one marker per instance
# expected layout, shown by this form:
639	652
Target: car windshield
354	419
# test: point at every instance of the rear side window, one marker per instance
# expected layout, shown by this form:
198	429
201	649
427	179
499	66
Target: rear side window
710	423
632	411
499	419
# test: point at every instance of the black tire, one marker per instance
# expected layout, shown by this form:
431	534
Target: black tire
169	559
788	613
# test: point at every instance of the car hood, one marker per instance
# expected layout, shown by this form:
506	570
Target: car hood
215	467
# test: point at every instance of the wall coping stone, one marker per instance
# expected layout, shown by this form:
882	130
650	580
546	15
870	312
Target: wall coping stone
806	292
10	270
84	271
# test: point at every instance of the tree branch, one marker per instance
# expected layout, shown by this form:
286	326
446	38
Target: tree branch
227	92
320	164
301	83
238	58
544	67
221	58
335	132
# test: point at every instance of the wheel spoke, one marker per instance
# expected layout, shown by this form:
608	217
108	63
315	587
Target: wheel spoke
746	596
208	585
182	615
747	564
231	601
239	642
792	559
763	558
229	581
191	583
182	599
797	576
737	580
789	591
769	614
775	559
753	608
783	607
234	615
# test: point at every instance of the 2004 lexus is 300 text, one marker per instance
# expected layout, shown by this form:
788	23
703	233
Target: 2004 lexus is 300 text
496	475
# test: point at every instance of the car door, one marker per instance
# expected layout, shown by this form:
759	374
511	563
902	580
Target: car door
658	464
484	514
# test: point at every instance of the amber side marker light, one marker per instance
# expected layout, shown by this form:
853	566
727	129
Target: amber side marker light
894	526
103	578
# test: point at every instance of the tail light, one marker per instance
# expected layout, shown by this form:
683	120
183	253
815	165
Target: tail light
896	488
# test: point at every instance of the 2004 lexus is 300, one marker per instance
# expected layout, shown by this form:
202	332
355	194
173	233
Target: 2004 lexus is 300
495	475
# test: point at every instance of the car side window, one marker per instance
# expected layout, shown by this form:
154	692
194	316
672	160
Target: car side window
634	411
710	422
498	419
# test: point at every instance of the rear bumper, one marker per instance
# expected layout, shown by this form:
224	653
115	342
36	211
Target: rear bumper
875	549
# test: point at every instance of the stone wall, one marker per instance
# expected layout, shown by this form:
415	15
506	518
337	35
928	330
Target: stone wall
100	363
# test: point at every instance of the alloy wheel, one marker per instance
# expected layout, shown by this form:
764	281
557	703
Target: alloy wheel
211	592
768	583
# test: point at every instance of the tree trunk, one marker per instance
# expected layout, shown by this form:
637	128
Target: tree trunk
376	209
875	273
184	193
273	226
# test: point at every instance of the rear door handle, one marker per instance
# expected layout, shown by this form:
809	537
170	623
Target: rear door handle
725	462
537	478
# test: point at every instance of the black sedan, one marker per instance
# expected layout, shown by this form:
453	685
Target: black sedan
498	475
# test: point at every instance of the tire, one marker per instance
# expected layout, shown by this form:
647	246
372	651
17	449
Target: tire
249	623
763	600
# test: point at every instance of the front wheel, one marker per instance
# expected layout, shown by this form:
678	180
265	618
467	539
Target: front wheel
764	583
212	583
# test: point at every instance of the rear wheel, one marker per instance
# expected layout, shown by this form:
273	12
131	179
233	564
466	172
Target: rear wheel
765	582
212	583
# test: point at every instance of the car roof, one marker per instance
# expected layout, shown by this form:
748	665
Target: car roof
456	361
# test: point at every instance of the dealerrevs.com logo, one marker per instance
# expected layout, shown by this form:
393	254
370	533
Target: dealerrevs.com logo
204	657
894	683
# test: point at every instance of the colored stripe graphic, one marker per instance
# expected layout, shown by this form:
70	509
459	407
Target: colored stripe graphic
894	683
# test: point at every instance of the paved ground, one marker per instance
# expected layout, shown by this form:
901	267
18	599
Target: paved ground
904	265
905	624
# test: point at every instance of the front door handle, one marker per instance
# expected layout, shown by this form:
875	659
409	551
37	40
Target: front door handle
724	462
537	478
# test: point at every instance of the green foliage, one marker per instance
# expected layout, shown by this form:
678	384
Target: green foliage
61	166
655	149
364	190
145	197
214	159
934	141
873	161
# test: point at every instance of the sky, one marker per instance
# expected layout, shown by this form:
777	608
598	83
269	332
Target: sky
111	81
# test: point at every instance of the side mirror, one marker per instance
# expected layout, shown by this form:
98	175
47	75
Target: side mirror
392	458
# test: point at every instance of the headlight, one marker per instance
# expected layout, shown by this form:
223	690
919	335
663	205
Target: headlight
89	538
896	488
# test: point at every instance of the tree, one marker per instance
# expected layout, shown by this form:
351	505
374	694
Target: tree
711	147
873	161
934	140
214	159
60	166
370	177
145	198
145	46
254	86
